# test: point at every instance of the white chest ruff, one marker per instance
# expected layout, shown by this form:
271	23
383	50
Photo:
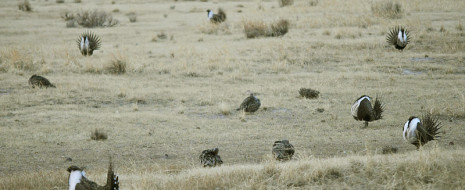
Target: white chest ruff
75	178
354	108
410	130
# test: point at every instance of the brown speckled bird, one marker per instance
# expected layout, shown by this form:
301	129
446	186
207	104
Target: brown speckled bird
250	104
398	37
39	81
216	18
210	158
362	109
77	180
283	150
419	132
88	42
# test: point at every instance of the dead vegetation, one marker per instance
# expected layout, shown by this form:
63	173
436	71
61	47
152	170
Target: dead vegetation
283	3
98	135
388	9
89	19
25	6
256	29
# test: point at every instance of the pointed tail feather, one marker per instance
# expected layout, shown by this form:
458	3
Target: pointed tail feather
378	108
112	179
431	128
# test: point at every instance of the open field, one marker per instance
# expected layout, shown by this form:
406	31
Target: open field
179	94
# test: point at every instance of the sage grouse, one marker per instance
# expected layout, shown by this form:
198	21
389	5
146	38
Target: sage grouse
283	150
78	181
216	18
88	42
363	110
399	37
210	158
250	104
419	132
40	82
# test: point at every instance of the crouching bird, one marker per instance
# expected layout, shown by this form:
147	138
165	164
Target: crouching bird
88	42
39	81
210	158
78	180
419	132
283	150
399	37
216	18
362	109
250	104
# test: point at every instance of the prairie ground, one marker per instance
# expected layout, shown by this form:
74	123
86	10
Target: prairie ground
185	77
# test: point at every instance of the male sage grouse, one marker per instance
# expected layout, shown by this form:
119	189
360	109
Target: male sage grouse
78	180
419	132
210	158
399	37
250	104
216	18
88	42
40	82
363	110
283	150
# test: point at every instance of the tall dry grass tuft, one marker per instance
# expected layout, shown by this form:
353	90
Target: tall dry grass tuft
91	19
283	3
98	135
15	60
255	29
117	65
387	9
132	16
25	6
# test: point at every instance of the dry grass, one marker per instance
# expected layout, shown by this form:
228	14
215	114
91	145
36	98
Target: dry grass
132	16
25	6
387	9
178	97
256	29
283	3
95	18
98	135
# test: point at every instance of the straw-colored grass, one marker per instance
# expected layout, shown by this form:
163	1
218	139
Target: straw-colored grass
178	96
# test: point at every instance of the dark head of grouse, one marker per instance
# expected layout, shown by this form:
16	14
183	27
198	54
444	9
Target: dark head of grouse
250	104
398	37
363	110
88	42
216	18
283	150
210	158
419	132
39	81
78	181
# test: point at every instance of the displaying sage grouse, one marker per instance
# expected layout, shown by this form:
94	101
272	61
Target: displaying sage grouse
250	104
210	158
399	37
78	181
419	132
309	93
40	82
216	18
363	110
88	42
283	150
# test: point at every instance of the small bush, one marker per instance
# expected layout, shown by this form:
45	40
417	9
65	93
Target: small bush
60	1
132	17
313	3
25	6
283	3
442	29
459	27
117	66
67	16
309	93
255	29
98	135
387	9
96	18
77	1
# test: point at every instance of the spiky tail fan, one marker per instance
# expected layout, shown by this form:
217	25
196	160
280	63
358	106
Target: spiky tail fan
222	14
378	108
112	179
94	40
430	129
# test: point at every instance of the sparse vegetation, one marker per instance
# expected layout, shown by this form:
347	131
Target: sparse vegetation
255	29
388	9
60	1
98	135
89	19
25	6
117	66
283	3
132	17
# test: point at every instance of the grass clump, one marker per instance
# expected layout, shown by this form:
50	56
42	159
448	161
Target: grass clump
98	135
16	60
117	66
283	3
387	9
25	6
89	19
60	1
132	17
255	29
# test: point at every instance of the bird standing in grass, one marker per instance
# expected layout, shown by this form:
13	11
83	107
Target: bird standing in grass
88	42
78	181
250	104
40	82
419	132
399	37
210	158
283	150
216	18
363	110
